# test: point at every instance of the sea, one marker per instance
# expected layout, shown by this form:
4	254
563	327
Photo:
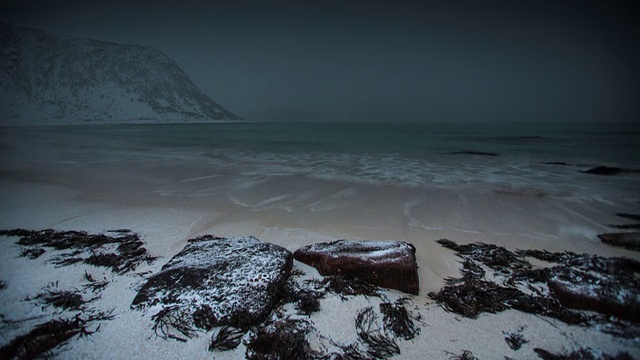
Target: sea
547	157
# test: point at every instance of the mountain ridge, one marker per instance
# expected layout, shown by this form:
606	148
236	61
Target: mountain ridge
52	79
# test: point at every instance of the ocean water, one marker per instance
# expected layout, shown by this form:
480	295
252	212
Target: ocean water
403	154
587	144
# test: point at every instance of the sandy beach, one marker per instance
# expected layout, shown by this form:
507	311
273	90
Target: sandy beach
168	196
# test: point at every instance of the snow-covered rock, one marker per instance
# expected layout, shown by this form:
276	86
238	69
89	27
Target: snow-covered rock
220	281
608	295
46	78
389	264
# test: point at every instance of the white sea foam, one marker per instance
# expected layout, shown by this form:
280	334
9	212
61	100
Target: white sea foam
508	175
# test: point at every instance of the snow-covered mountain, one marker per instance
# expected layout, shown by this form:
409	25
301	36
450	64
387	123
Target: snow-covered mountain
53	79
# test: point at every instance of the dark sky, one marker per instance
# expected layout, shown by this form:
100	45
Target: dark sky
381	60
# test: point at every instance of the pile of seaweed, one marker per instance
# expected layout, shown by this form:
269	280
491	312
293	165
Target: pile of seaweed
626	239
72	318
70	311
288	338
122	252
286	335
580	354
495	279
44	337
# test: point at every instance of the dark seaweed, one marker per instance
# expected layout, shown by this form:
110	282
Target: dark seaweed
515	340
68	300
172	318
227	338
379	345
308	302
398	320
282	339
580	354
204	318
625	239
94	284
32	252
306	299
345	286
45	337
128	254
472	294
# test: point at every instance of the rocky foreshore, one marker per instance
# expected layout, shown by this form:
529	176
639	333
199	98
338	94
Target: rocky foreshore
245	291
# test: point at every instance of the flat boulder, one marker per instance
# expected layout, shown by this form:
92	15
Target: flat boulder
607	295
609	170
219	281
388	264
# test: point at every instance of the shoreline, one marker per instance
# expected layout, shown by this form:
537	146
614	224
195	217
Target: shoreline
169	200
125	122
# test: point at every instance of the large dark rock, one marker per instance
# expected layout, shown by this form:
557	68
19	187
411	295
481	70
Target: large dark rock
478	153
627	240
220	281
609	170
583	291
389	264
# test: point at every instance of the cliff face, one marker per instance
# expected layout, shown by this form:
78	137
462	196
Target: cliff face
49	78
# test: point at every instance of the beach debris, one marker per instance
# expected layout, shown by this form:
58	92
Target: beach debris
379	345
308	302
627	240
216	281
609	286
344	286
581	354
557	163
297	272
3	285
477	153
122	252
282	339
172	319
46	336
398	320
495	257
94	284
350	351
226	338
466	355
515	340
32	252
65	299
305	297
388	264
608	170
